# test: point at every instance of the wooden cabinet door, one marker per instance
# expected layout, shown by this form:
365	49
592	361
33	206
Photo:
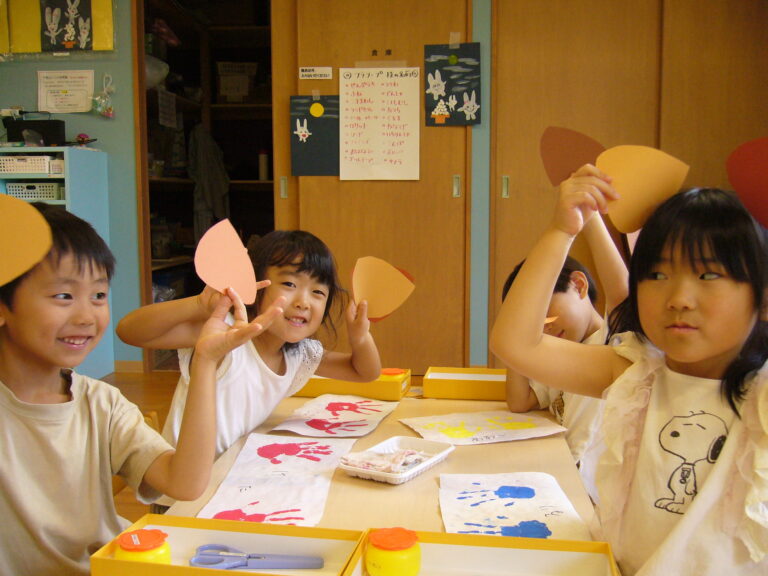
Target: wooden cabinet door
714	87
418	226
591	66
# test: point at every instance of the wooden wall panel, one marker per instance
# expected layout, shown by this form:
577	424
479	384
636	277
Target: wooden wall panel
714	82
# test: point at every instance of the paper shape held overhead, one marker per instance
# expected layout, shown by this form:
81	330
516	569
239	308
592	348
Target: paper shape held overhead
221	261
25	233
381	284
747	168
644	177
564	150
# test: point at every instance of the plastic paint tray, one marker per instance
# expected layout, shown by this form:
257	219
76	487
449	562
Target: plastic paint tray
437	451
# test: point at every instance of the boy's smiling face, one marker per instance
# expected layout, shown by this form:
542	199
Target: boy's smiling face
58	315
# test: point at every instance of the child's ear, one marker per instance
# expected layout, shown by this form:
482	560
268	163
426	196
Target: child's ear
580	282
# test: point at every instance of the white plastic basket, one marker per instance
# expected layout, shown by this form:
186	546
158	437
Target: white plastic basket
34	190
15	164
437	452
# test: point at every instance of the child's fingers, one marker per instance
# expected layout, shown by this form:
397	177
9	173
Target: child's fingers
223	304
270	314
261	284
239	312
362	309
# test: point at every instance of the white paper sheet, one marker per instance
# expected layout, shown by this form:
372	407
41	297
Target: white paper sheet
482	427
278	480
526	504
336	415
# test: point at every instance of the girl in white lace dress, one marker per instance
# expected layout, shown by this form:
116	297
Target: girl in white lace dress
297	273
681	461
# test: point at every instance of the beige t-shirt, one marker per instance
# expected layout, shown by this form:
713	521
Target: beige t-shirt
56	467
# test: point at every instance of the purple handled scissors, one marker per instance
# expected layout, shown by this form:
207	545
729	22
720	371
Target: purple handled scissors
226	558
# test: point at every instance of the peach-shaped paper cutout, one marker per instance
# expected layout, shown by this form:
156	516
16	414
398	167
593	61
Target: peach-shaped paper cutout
221	261
747	168
563	151
26	236
644	177
381	284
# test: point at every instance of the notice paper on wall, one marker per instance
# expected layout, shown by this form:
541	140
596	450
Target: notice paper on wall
379	123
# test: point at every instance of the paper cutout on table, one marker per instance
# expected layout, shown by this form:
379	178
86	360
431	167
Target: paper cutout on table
277	480
482	427
25	229
221	261
747	168
333	415
563	151
385	287
644	177
526	504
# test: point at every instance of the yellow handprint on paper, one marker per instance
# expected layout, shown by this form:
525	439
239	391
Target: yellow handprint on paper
459	431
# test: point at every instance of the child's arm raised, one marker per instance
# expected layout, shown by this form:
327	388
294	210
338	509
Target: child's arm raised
363	364
173	324
611	269
184	474
517	337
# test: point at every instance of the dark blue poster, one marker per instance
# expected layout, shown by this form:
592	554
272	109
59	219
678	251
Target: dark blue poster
315	135
452	84
66	25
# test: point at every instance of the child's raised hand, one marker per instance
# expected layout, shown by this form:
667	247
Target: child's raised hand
358	324
217	338
587	191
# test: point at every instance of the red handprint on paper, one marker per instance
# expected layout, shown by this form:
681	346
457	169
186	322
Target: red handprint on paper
357	407
299	449
243	516
329	427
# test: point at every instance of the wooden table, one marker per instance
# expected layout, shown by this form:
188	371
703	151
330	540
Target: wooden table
358	504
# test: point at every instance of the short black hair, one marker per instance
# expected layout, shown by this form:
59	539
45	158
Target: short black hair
563	279
71	235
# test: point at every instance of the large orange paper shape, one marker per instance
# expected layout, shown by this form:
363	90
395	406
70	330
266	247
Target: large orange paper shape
221	261
644	177
381	284
24	235
563	151
747	168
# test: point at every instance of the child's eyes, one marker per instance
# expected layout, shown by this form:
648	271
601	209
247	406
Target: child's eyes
656	276
288	284
319	292
710	275
62	296
101	296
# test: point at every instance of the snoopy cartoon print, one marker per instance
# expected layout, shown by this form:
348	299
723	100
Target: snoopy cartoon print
695	439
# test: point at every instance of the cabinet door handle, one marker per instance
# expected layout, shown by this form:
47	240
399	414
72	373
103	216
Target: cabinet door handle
283	186
456	186
505	186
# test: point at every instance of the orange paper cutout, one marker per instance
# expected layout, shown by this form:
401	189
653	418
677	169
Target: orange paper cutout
563	151
381	284
221	261
25	234
747	168
644	177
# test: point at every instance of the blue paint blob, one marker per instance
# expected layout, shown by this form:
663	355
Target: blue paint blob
515	492
527	529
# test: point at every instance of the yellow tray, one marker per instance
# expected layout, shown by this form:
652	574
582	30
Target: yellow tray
460	554
390	387
465	383
186	534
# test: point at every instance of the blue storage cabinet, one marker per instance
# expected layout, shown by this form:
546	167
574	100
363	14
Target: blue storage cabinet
75	178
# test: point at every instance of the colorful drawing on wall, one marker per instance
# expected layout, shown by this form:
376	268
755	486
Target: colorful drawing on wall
452	89
333	415
314	136
278	480
482	427
60	25
526	504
